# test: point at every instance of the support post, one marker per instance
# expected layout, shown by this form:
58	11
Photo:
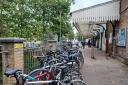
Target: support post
92	49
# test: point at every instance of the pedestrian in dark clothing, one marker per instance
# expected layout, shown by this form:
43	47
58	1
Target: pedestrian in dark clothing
89	43
93	42
83	44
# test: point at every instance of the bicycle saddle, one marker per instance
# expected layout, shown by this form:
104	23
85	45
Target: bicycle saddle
68	80
64	55
10	71
73	51
73	56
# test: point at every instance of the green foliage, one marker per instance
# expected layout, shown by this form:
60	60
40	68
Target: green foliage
70	34
79	37
34	19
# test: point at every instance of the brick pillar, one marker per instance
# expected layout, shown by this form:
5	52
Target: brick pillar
52	45
14	56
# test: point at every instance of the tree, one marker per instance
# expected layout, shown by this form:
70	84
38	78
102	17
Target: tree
79	37
32	19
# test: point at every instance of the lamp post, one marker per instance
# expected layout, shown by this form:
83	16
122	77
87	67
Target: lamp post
60	26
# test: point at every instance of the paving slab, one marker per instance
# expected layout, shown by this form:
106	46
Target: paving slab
103	70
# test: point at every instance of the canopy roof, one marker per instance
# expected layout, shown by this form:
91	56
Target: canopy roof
108	11
101	13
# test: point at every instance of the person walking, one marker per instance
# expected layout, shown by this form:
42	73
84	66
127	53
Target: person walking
83	44
89	43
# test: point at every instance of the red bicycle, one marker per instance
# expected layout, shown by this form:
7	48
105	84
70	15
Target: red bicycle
22	79
43	74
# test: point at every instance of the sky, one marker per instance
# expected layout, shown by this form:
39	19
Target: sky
79	4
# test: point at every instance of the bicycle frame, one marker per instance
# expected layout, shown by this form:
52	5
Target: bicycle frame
29	78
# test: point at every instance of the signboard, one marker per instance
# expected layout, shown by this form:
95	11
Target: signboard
121	37
18	45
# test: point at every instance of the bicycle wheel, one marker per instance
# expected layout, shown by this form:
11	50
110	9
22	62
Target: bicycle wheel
81	59
78	82
40	75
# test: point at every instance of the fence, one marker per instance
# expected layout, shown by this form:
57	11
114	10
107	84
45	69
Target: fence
1	72
3	62
30	62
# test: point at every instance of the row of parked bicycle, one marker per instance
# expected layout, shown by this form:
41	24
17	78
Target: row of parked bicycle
60	67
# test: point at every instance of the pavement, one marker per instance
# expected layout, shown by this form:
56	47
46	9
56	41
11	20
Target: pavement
103	70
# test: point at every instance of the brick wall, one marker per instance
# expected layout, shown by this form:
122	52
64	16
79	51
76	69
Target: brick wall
121	52
18	58
123	23
124	14
14	60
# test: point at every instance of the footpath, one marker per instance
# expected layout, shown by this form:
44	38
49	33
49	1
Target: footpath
103	70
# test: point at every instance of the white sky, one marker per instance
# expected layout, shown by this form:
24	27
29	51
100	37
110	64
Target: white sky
79	4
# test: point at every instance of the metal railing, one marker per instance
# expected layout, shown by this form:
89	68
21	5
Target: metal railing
1	71
3	62
30	62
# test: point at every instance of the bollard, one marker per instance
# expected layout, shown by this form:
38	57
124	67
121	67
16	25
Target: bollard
52	45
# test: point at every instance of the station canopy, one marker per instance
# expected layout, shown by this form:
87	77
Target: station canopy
101	13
